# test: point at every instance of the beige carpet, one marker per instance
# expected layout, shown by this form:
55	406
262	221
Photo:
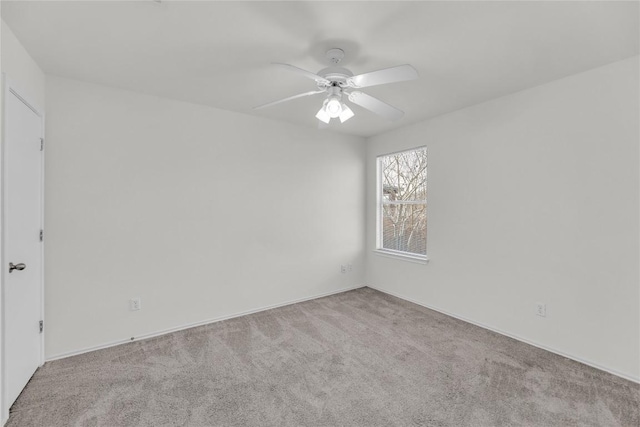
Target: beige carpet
360	358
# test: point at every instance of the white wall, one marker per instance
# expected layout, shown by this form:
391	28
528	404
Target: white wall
533	197
20	67
201	212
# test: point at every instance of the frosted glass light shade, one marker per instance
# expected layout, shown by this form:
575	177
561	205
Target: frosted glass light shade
323	115
334	107
346	113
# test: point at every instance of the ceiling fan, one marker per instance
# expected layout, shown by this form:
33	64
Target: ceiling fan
339	83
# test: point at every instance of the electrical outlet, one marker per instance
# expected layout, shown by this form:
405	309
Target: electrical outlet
541	309
343	269
136	304
349	268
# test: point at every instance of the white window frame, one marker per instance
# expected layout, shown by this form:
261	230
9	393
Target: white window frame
380	250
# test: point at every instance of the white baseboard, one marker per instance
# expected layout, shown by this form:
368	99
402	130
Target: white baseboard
195	324
515	337
244	313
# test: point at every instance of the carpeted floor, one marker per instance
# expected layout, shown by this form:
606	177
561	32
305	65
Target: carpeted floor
360	358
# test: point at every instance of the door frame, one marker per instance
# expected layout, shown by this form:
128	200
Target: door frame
8	88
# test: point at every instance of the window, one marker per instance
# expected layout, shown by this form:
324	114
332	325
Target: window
402	203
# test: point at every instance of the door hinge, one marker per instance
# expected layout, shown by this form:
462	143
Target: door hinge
41	326
41	144
41	235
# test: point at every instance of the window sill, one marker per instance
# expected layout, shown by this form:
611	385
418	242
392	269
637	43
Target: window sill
419	259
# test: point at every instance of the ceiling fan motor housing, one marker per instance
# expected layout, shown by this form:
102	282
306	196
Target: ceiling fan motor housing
338	76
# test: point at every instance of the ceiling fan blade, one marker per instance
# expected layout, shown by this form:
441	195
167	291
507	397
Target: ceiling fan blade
300	95
388	75
307	74
372	104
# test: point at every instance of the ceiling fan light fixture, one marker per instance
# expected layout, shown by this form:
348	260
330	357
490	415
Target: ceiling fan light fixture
322	115
346	114
333	106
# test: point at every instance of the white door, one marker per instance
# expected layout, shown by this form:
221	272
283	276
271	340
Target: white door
22	258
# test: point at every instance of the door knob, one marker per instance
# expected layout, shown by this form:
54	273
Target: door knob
21	266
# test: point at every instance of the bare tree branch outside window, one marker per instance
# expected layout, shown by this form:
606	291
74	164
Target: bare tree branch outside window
403	187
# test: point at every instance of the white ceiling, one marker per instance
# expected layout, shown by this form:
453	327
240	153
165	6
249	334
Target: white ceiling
219	53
